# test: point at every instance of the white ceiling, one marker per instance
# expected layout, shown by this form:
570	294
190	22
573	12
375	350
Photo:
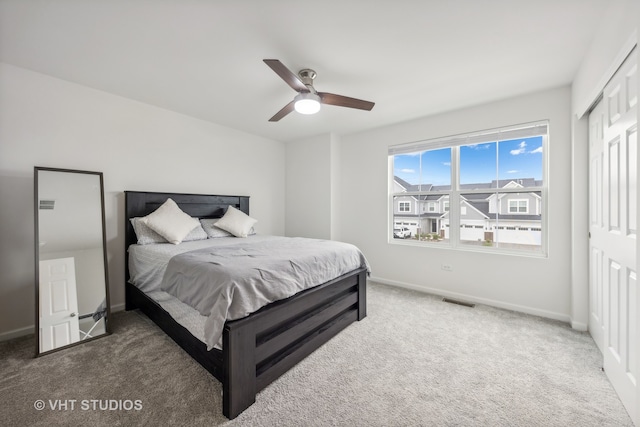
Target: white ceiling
203	58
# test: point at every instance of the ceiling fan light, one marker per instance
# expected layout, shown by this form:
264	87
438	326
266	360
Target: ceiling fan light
307	103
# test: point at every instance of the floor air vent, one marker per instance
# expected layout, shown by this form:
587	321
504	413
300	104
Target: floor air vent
455	301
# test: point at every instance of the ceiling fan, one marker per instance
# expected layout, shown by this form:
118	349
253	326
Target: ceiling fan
308	100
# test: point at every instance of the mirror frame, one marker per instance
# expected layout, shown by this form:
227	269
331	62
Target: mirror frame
107	318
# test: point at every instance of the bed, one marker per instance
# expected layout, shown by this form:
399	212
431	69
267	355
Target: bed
260	347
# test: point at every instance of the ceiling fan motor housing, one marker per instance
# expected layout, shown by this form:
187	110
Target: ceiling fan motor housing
307	76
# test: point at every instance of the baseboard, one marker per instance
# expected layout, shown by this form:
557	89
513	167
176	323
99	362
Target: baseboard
470	298
117	307
17	333
28	330
579	326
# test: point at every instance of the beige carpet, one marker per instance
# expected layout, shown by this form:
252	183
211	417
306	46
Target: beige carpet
414	361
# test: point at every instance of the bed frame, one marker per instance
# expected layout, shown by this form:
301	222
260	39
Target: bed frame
259	348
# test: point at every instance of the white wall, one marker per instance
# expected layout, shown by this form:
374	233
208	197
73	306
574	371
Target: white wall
313	187
534	285
49	122
308	188
336	186
618	31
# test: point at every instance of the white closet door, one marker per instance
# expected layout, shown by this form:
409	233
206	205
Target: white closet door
613	229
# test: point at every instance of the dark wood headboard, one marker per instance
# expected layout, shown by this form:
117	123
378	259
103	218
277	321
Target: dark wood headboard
141	203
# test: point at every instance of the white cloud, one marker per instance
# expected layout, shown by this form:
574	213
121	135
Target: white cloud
446	163
407	170
537	150
513	171
522	148
479	146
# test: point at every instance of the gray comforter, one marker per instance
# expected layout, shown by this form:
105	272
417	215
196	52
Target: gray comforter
232	281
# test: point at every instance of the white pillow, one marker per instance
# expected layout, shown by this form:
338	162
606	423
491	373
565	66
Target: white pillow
213	232
197	233
170	222
208	224
147	236
236	222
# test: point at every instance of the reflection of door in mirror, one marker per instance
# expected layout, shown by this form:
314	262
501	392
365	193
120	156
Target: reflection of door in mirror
72	287
59	324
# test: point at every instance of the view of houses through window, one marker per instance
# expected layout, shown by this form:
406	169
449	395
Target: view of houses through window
494	179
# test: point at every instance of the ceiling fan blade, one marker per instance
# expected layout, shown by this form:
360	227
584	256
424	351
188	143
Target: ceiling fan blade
285	110
345	101
285	74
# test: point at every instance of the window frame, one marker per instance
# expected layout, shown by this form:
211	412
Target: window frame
517	211
454	194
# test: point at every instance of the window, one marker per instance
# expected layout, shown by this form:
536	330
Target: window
518	206
482	191
404	207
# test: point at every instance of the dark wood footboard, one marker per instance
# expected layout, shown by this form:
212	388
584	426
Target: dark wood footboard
259	348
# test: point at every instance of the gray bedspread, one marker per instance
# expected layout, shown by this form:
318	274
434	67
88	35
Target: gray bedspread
232	281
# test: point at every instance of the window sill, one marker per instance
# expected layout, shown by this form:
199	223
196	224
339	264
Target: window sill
446	245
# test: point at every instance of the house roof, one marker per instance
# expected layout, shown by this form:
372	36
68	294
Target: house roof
483	207
478	201
404	184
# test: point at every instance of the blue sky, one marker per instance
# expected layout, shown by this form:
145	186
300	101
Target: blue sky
521	158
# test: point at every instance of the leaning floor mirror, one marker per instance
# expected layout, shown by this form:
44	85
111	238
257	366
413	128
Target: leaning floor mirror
72	287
